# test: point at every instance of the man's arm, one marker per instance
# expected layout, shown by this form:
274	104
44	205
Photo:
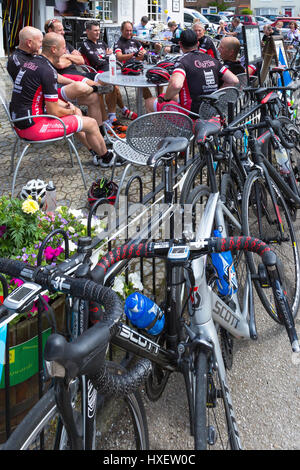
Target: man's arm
75	58
175	84
57	108
229	79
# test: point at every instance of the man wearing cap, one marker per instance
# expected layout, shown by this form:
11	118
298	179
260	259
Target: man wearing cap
195	74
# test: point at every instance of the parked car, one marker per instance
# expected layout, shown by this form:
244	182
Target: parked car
247	19
189	15
215	18
286	22
262	21
229	14
271	17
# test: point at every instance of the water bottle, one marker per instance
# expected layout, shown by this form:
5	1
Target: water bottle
50	199
282	160
223	263
144	313
112	65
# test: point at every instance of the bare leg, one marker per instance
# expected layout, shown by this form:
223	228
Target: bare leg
93	135
92	102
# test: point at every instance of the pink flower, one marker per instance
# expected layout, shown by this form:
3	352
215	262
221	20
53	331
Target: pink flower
51	253
35	307
16	281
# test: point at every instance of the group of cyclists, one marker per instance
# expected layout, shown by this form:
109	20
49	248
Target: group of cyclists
46	78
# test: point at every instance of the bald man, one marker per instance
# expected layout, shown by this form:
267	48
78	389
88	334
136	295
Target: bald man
78	92
229	49
35	92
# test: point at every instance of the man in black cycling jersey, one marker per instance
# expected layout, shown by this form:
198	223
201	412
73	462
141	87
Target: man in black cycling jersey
127	48
67	67
195	74
82	93
229	49
35	92
96	54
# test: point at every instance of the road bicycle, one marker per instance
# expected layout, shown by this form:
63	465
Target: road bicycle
71	414
177	349
252	184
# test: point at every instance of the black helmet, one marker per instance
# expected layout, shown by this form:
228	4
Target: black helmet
132	67
167	65
102	188
157	75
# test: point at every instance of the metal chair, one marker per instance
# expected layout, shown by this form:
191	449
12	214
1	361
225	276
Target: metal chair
243	83
145	134
206	110
19	140
225	96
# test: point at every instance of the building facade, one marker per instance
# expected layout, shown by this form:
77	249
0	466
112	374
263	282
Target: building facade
236	6
110	12
276	7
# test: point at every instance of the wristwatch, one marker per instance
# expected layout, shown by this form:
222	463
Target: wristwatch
161	98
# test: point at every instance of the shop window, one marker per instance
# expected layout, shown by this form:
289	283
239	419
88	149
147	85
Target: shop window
154	10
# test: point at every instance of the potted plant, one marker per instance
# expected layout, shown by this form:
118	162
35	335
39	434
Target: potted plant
23	227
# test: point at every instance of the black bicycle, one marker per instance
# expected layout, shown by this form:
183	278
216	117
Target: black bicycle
72	414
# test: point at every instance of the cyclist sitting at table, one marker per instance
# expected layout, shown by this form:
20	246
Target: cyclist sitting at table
205	43
229	49
35	92
176	31
127	48
67	66
195	74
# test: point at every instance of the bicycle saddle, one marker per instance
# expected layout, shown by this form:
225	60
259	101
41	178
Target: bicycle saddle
85	355
204	129
169	145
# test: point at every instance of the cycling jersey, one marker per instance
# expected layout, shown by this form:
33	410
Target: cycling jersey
206	45
95	54
16	60
127	46
234	66
202	76
36	84
176	35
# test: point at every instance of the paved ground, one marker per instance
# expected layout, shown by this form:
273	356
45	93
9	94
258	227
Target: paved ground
265	380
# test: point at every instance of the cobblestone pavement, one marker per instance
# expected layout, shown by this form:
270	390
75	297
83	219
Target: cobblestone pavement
264	381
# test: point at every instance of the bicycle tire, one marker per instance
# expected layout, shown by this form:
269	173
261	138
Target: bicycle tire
261	219
44	417
128	411
212	406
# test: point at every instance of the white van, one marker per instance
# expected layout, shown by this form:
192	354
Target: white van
190	15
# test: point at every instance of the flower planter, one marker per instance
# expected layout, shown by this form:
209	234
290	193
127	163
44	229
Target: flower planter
23	354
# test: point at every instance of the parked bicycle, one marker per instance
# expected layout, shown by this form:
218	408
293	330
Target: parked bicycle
71	414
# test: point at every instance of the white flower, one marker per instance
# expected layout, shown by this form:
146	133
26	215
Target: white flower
77	213
135	279
119	284
72	246
71	229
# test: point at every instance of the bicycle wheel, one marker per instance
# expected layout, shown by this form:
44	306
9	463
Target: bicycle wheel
121	422
272	224
214	423
41	428
290	136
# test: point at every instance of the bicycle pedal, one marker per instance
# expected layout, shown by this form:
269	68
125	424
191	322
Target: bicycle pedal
211	435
